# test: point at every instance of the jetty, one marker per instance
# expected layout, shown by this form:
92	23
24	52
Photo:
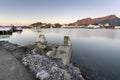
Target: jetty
38	61
62	51
52	61
9	29
5	30
10	65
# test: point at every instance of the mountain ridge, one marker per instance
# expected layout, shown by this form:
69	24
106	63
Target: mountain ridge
110	19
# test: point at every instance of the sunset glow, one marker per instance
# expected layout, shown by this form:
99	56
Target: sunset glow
25	12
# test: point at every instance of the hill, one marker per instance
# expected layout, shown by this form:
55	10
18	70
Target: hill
110	19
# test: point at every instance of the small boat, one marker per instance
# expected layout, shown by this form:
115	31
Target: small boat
18	29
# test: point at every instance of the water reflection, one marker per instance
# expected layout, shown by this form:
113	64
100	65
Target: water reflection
110	34
4	37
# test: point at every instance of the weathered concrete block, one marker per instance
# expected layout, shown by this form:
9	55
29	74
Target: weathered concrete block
42	39
67	41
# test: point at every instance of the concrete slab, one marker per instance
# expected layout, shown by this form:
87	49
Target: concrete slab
11	68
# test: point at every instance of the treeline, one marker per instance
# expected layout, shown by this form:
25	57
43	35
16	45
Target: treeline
46	25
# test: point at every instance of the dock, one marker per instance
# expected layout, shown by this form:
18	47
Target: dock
5	30
9	29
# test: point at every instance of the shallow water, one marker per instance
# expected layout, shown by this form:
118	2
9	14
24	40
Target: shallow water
95	51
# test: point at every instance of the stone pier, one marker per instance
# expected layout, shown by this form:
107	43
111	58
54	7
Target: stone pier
52	62
39	61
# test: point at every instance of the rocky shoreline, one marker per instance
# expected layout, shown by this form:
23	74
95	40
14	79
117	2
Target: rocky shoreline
41	65
48	69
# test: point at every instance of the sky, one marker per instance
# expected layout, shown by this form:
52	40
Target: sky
25	12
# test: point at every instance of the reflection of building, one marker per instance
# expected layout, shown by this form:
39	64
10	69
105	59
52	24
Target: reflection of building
107	26
9	29
93	26
4	36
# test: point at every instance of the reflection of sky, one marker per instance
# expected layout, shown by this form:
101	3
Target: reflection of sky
26	37
75	34
85	33
4	37
99	55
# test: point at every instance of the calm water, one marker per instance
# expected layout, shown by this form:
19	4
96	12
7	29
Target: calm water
95	51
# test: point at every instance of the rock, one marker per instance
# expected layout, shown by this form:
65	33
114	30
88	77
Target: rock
47	69
41	46
34	51
56	73
67	76
54	51
76	68
49	53
43	75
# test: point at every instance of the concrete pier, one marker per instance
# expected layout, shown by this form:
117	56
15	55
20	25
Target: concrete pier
36	62
52	62
64	51
5	30
10	67
9	30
